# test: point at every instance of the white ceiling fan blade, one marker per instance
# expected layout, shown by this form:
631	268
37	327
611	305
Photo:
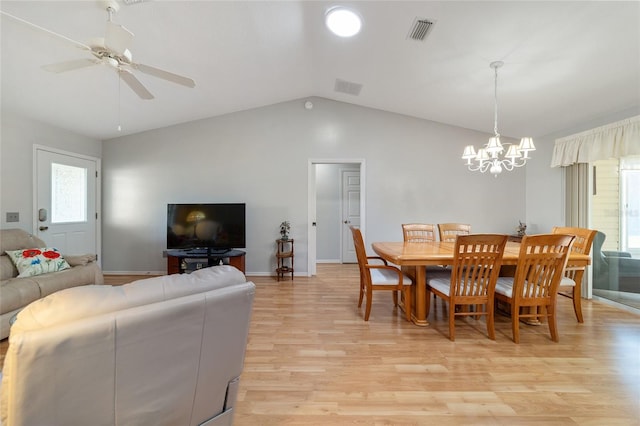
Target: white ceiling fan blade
71	65
165	75
52	33
134	84
117	37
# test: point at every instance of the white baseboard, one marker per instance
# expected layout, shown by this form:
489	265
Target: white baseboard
248	274
134	272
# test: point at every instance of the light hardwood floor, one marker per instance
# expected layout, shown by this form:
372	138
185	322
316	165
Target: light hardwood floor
312	360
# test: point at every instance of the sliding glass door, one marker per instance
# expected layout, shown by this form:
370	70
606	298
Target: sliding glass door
630	205
615	213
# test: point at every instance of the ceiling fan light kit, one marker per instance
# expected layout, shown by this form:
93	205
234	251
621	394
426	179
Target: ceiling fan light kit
492	157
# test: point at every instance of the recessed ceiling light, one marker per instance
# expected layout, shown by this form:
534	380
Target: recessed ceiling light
343	22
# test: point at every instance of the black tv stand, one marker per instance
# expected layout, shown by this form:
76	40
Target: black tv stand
188	260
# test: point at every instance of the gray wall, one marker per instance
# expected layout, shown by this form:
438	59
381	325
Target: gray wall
413	172
17	137
261	156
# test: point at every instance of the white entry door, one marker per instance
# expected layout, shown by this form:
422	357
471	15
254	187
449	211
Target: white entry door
350	213
66	188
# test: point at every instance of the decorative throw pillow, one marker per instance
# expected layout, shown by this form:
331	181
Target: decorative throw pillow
37	261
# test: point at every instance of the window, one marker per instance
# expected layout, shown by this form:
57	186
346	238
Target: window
68	194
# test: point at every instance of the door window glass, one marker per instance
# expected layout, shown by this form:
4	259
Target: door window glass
68	193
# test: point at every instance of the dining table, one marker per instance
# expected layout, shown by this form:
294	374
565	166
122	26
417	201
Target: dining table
413	258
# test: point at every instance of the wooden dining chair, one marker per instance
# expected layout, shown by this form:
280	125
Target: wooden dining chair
418	232
573	276
476	265
449	231
541	263
376	274
422	233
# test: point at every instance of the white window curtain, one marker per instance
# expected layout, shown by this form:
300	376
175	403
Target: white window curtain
614	140
577	208
575	152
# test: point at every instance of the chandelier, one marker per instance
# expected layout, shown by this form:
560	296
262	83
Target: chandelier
493	157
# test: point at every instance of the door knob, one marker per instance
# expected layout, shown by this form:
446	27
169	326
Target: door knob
346	222
43	228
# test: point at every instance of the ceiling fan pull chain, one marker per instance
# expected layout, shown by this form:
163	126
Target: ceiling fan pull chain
119	103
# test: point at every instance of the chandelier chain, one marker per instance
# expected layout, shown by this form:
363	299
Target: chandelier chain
495	100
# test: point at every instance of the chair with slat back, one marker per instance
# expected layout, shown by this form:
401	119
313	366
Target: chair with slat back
418	232
424	233
449	231
541	263
476	266
381	276
573	276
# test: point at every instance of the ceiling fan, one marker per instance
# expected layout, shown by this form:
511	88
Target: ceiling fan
111	50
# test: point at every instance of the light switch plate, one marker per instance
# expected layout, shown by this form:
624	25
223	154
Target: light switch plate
13	217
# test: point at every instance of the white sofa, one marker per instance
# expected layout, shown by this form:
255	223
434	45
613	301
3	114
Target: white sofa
161	351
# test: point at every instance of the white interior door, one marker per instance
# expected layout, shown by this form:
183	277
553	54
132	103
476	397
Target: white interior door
350	213
66	201
311	249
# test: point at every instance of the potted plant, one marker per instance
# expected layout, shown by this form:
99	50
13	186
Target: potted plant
285	227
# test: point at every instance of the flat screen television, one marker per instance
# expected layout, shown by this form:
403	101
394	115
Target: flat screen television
213	227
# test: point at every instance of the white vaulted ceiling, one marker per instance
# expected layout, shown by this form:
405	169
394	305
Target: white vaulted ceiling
565	62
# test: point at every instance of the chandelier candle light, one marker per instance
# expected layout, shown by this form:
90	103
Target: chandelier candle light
492	156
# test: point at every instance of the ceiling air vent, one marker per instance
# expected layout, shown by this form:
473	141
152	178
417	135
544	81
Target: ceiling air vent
420	28
347	87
